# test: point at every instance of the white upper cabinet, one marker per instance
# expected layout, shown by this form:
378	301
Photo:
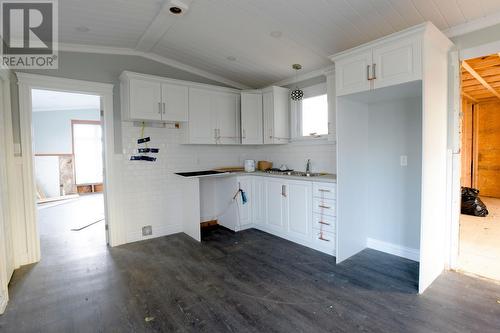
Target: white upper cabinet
144	102
389	61
148	98
175	102
397	62
353	73
276	113
213	117
251	118
202	117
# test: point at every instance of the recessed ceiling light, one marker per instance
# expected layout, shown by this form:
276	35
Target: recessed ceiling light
82	28
231	58
276	34
175	10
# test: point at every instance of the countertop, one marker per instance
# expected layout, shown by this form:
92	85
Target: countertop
327	178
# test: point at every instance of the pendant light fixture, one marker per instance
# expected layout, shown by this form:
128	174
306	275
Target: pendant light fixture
296	94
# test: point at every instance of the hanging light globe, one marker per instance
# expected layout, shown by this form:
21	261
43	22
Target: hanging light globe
296	94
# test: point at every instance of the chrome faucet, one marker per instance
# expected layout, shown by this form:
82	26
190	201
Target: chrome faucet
308	166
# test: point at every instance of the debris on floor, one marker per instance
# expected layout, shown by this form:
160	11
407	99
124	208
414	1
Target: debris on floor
148	319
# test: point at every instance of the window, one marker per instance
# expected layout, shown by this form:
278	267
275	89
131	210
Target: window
314	116
87	147
310	118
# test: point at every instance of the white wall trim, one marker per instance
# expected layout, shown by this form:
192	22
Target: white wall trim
391	248
474	25
27	82
481	50
152	56
306	76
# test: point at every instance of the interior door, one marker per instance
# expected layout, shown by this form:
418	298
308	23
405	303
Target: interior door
299	195
226	106
275	204
352	73
202	119
175	100
145	100
251	118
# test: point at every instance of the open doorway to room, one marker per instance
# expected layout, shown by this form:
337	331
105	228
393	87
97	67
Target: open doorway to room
68	165
479	245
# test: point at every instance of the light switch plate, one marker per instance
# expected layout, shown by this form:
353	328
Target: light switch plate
403	160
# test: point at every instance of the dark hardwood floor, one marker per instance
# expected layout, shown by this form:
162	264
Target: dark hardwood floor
245	282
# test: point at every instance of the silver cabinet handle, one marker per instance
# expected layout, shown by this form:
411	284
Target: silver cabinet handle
374	72
368	72
324	223
323	206
159	107
164	107
283	190
243	134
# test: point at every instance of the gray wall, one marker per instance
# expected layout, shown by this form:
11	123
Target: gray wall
105	68
52	133
479	37
394	191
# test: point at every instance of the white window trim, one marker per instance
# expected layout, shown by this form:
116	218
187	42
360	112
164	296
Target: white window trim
296	111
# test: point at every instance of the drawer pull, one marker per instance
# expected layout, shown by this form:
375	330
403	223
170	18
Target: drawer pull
323	239
323	206
323	190
325	223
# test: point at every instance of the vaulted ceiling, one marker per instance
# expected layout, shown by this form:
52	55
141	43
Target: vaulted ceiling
481	78
254	42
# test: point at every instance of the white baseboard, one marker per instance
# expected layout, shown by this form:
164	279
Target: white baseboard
158	231
391	248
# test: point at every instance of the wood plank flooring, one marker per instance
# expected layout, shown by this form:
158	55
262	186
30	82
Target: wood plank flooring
245	282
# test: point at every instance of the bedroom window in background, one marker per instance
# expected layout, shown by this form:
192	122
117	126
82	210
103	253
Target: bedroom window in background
312	113
87	150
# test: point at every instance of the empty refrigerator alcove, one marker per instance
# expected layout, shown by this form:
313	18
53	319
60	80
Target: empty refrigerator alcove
380	170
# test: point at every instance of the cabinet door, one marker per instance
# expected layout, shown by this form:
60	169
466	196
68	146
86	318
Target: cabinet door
175	102
251	118
281	115
259	201
268	114
245	209
202	121
299	196
275	205
397	62
145	100
226	107
352	73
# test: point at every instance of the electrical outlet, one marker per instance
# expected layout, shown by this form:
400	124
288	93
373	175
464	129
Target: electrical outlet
147	230
403	160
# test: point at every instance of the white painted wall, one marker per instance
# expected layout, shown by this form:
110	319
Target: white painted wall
52	129
47	175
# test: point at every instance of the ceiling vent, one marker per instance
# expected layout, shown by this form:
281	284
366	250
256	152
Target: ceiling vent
178	7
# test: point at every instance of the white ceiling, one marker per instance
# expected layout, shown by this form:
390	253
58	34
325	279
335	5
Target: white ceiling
213	30
48	100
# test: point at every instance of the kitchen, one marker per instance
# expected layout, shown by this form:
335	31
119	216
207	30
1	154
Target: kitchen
267	166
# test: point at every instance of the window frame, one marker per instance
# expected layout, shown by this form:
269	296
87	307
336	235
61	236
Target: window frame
296	106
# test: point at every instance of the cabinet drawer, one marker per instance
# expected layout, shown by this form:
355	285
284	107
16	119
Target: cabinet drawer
324	190
325	206
325	240
324	221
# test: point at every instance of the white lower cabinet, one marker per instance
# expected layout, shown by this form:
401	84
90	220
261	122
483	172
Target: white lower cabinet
285	208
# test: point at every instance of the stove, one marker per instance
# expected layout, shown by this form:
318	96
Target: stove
275	171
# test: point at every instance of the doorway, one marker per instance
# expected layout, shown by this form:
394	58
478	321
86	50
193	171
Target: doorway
479	241
68	165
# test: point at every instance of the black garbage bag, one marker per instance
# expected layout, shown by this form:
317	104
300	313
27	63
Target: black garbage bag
471	203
